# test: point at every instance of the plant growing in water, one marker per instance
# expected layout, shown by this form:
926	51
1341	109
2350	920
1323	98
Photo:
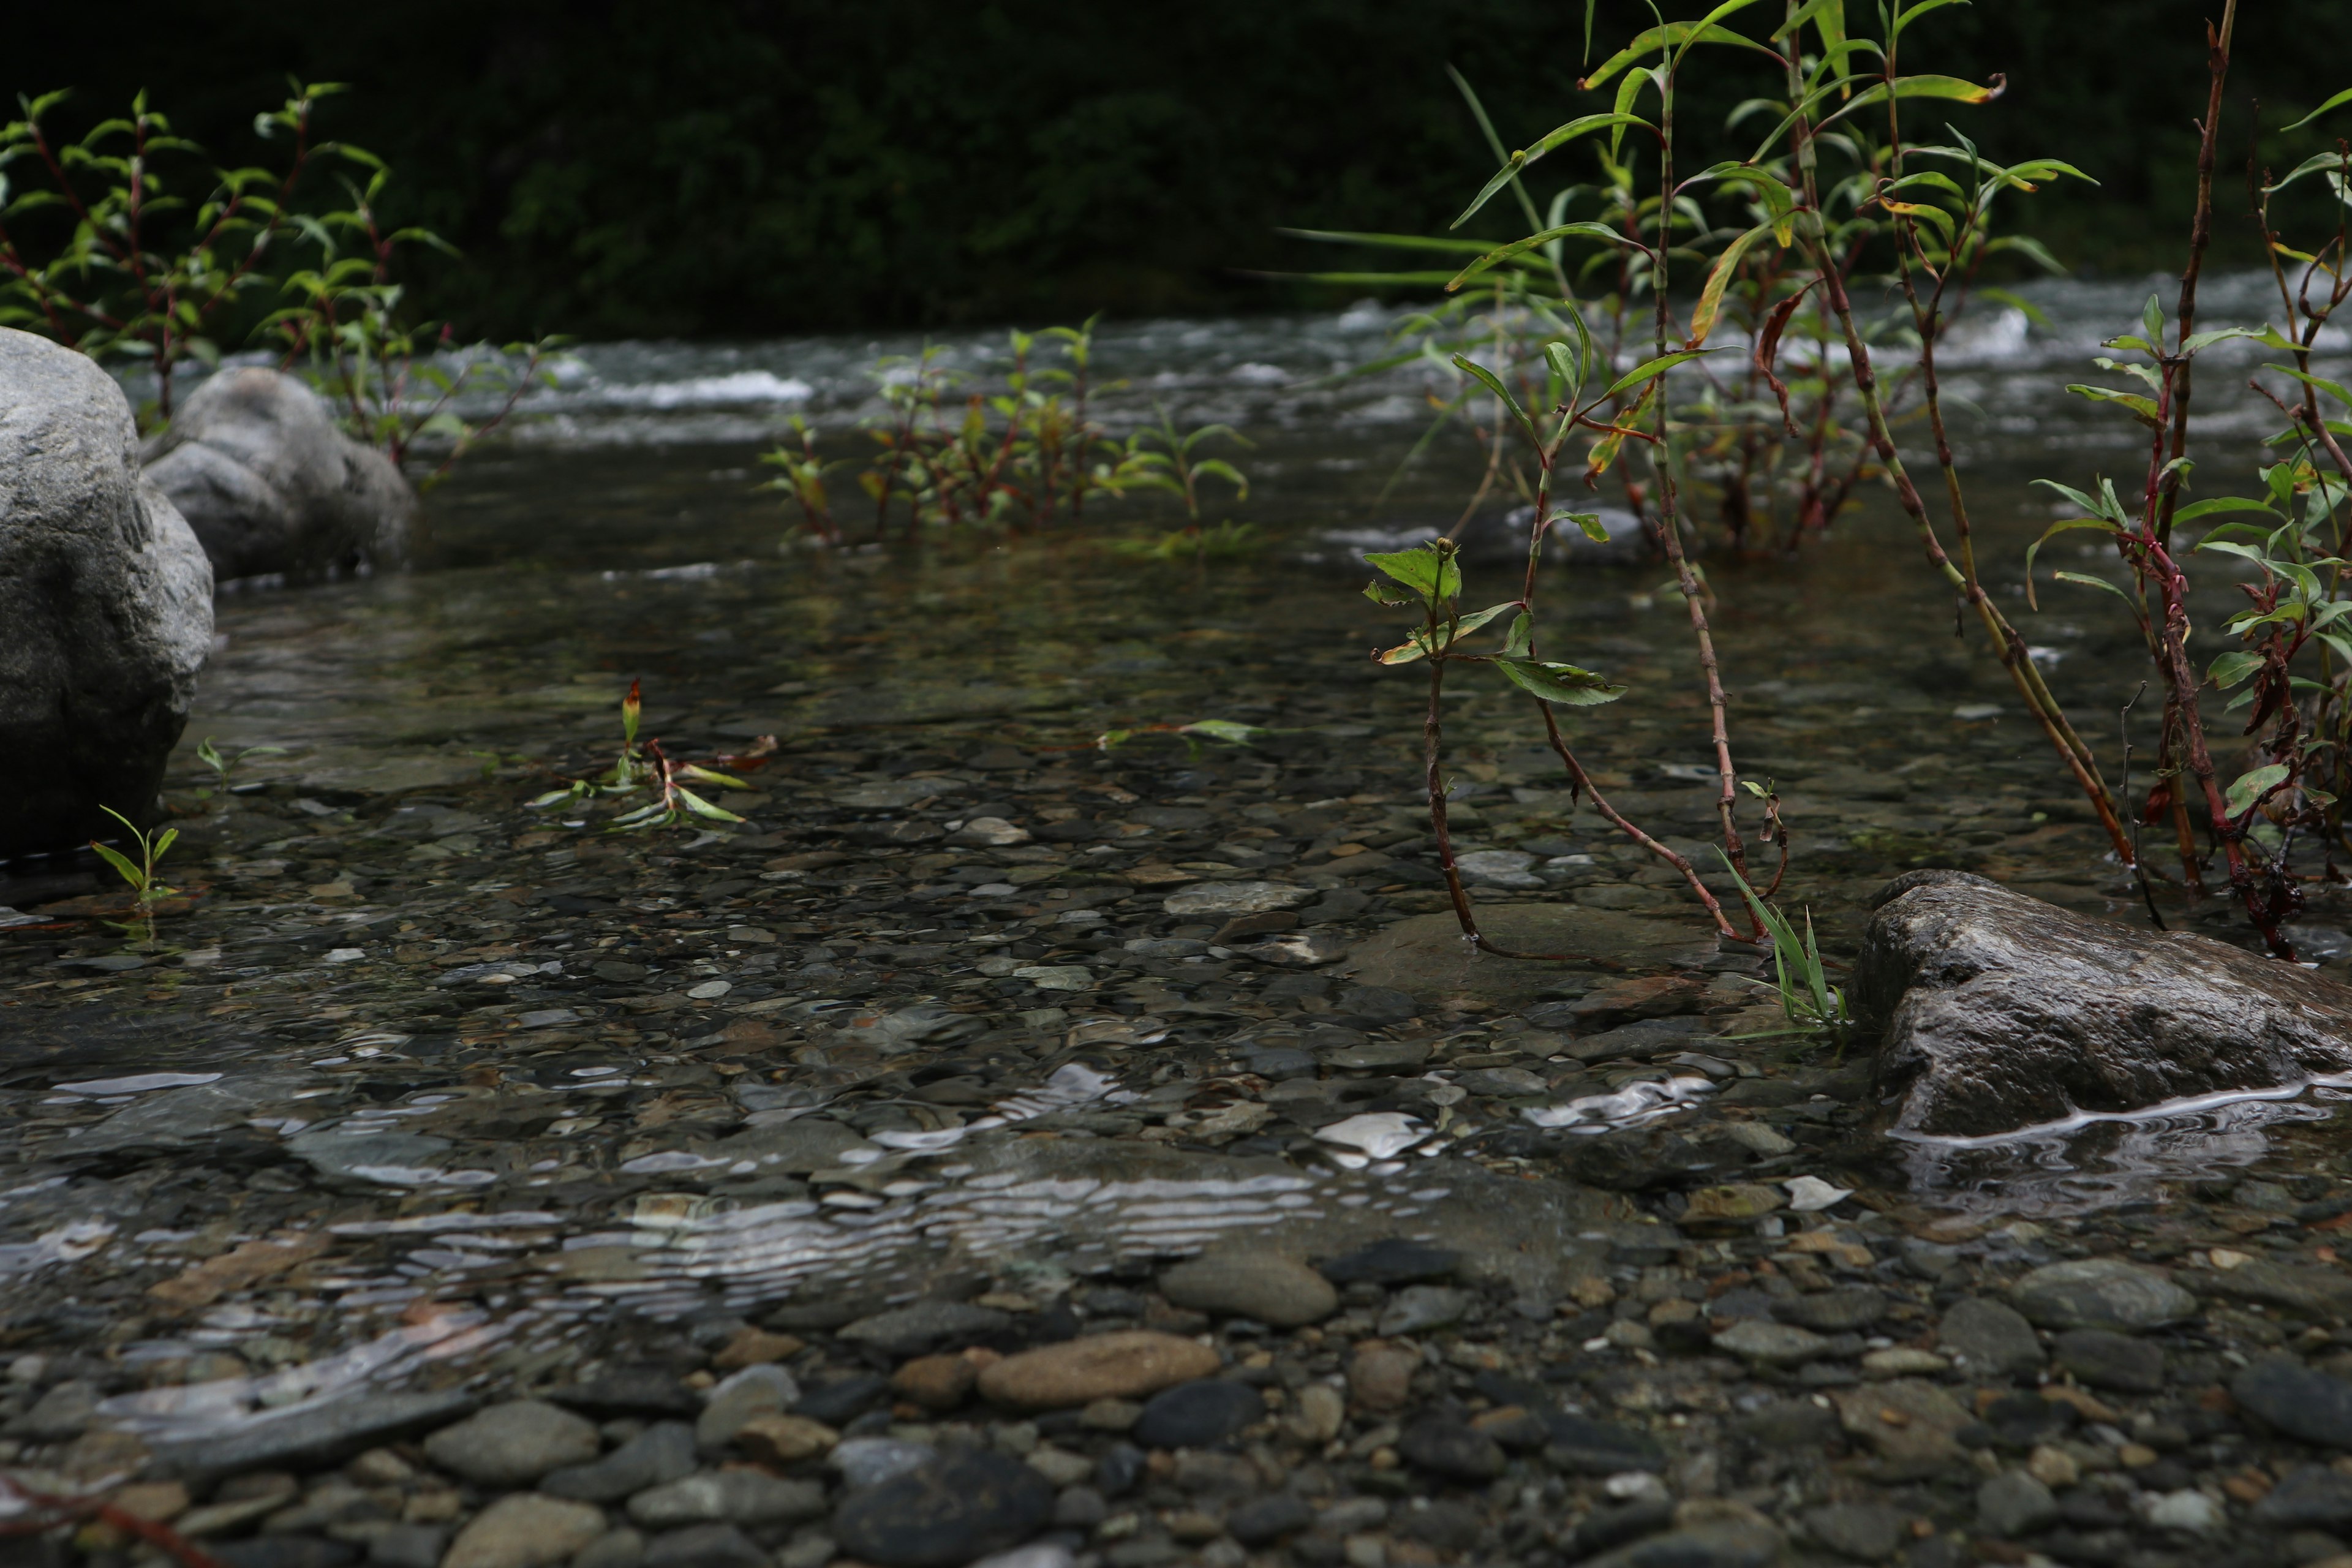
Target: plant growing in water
146	887
647	766
223	766
1808	1000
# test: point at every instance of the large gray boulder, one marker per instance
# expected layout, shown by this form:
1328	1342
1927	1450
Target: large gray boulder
254	462
1998	1011
105	603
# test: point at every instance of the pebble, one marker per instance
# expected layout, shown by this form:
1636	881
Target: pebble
1707	1546
870	1461
1419	1308
926	1326
662	1452
621	1548
764	1390
2312	1496
524	1529
407	1546
1124	1365
958	1506
2101	1293
2107	1359
1870	1531
1265	1286
1902	1361
1380	1375
1236	898
1989	1337
936	1382
1909	1423
1452	1449
2013	1503
1195	1414
1771	1344
2296	1400
785	1440
514	1444
313	1439
705	1546
2187	1509
1263	1520
734	1497
1842	1310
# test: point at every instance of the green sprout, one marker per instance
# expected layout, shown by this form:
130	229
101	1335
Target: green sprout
139	873
1808	1000
223	766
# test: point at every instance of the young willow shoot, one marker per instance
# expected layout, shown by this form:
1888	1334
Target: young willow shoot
146	887
1808	1000
649	767
222	764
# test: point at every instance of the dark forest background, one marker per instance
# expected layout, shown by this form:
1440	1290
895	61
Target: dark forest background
693	167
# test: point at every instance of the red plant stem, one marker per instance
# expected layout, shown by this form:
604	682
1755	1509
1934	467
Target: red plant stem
2201	234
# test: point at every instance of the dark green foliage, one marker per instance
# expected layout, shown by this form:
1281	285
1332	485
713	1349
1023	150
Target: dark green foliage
691	167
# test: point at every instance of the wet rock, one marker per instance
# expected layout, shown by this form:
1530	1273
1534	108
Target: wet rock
106	600
705	1546
523	1529
2310	1290
254	463
1380	1375
615	1549
513	1444
1127	1364
1998	1011
314	1438
2312	1496
2105	1360
1843	1310
1417	1309
2101	1293
926	1326
407	1546
1393	1262
1263	1520
1426	957
785	1440
1868	1531
62	1413
662	1452
2296	1400
2188	1510
1590	1447
1705	1546
936	1382
870	1461
754	1391
841	1401
286	1551
642	1390
959	1506
1907	1422
1771	1344
1606	1527
1195	1414
1452	1449
2013	1503
1992	1336
1236	899
1265	1286
734	1497
1790	1424
794	1148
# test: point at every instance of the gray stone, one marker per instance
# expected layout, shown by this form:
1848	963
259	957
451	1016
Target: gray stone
316	1438
1419	1308
277	1551
2106	1359
2101	1293
1453	1449
63	1412
662	1452
962	1505
513	1444
870	1461
732	1497
1841	1310
794	1148
407	1546
623	1548
106	605
1998	1011
253	461
1771	1344
523	1529
2012	1504
1991	1336
926	1326
1248	1282
2313	1291
1726	1545
1236	898
764	1390
705	1546
1263	1521
2312	1496
2296	1400
1195	1414
1869	1530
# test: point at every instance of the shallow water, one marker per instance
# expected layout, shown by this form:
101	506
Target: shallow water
389	1029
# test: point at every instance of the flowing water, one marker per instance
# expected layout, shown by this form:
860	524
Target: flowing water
501	1088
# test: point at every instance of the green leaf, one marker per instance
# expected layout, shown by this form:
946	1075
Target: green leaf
553	797
1231	732
123	865
2068	525
1565	684
1421	569
2339	100
2143	409
2089	582
1710	298
1671	36
701	807
1558	137
1494	383
2334	389
2252	786
2228	668
1594	529
1650	369
1450	632
1520	641
1600	231
2220	504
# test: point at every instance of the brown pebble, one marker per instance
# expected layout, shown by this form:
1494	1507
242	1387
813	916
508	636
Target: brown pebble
785	1440
1380	1375
754	1347
1128	1365
935	1381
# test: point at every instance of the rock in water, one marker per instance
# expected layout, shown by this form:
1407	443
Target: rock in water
254	463
105	603
961	1506
2001	1012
